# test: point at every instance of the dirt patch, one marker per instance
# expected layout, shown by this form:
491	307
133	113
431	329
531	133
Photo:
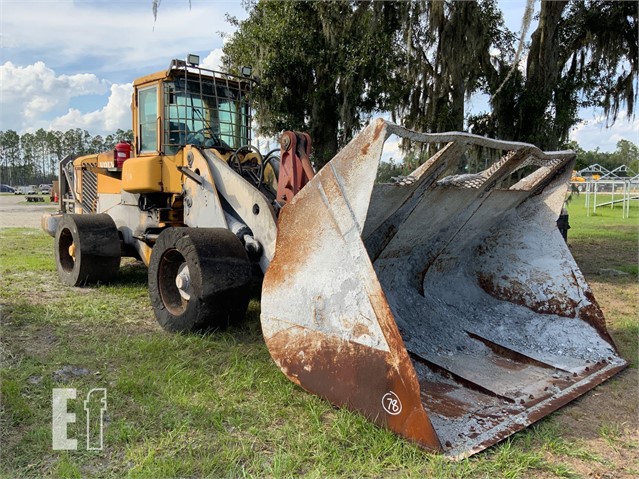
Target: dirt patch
14	212
617	296
605	421
26	341
46	287
597	257
68	372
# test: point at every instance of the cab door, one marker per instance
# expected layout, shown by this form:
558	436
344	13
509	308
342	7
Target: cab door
148	119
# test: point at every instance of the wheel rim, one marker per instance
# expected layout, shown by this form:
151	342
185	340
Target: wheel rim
183	281
173	270
65	246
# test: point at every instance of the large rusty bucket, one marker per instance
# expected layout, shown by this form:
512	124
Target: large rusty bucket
446	307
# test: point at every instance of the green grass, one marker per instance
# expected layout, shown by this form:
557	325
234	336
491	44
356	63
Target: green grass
214	405
609	240
606	223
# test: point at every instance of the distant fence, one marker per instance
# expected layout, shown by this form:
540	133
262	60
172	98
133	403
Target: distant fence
608	192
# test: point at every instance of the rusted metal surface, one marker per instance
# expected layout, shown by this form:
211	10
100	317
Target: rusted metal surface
295	165
448	308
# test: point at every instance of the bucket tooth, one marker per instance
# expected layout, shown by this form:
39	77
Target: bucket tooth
447	307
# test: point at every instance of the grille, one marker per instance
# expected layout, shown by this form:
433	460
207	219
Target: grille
89	195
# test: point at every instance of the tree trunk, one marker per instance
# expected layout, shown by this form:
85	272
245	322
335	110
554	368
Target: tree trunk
542	72
324	129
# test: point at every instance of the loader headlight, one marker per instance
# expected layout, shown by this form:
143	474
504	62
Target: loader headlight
193	60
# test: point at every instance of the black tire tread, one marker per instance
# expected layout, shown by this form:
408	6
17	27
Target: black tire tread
220	273
97	249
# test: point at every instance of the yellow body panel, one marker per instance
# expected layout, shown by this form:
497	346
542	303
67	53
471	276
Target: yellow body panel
109	184
150	78
145	253
172	178
142	174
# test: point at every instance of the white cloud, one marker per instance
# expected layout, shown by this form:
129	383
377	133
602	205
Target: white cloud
115	115
45	81
35	96
112	36
213	61
28	94
592	134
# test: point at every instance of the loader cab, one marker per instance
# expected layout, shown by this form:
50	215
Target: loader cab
189	105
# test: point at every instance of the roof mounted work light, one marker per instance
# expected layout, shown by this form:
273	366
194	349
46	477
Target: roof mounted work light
247	71
193	60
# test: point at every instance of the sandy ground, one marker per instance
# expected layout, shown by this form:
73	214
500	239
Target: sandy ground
16	212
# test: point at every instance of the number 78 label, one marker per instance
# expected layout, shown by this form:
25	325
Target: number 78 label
391	403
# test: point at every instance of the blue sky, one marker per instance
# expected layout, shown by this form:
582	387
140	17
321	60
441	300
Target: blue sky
67	64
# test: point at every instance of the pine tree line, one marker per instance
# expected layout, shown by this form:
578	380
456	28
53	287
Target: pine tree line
32	158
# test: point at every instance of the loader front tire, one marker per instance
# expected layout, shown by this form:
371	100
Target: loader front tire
87	249
198	279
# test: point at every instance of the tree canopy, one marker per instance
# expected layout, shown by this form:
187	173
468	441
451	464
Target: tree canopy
326	67
582	54
626	154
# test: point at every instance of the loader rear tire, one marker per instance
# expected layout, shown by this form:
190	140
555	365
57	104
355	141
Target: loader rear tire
87	249
215	291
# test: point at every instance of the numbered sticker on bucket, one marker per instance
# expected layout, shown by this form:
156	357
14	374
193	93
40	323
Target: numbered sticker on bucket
391	403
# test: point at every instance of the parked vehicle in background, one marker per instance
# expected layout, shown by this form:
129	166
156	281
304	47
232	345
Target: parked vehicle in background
45	189
6	189
26	190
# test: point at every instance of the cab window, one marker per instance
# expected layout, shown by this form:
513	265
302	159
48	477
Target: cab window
205	111
147	121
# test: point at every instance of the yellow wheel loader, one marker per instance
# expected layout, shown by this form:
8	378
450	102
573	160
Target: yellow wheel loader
444	306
